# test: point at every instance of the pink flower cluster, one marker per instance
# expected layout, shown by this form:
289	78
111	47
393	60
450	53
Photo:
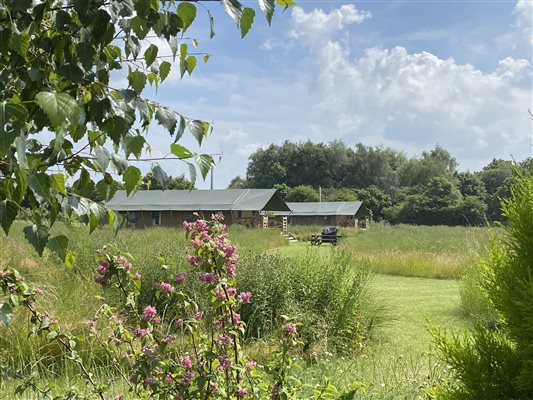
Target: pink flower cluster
166	287
289	329
149	313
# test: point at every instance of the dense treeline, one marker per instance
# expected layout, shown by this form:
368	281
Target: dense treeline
422	190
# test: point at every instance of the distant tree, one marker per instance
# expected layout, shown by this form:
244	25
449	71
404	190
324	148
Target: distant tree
375	200
177	183
419	171
283	190
471	185
496	176
441	192
341	194
238	183
302	193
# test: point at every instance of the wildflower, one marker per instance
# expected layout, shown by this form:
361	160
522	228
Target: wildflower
224	363
168	378
194	260
196	244
101	280
91	323
179	323
289	328
204	237
102	267
219	323
166	287
219	293
198	315
208	277
148	381
140	332
235	317
218	217
225	339
150	350
187	377
201	225
231	291
125	263
186	362
244	297
250	365
3	274
187	225
241	392
168	339
181	277
149	313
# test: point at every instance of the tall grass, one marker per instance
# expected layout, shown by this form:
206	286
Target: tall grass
419	251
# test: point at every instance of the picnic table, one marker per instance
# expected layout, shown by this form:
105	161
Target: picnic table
328	235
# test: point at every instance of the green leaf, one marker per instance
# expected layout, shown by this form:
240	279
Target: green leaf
187	13
102	157
96	213
199	130
191	64
70	259
60	108
204	162
181	129
132	179
106	190
20	144
164	70
286	3
158	174
267	6
51	335
116	220
116	127
8	213
192	172
6	313
120	163
247	19
59	246
166	118
20	43
234	9
133	144
57	182
137	81
37	235
150	54
40	186
211	25
138	26
180	151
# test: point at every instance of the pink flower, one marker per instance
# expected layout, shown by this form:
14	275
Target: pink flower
204	236
241	392
101	280
179	323
201	225
168	378
196	244
187	377
289	329
220	294
187	225
125	263
186	362
102	268
91	323
231	270
166	287
137	276
198	315
218	217
140	332
194	260
208	277
225	339
3	274
236	318
148	313
148	381
231	291
250	365
169	339
244	297
181	277
219	323
224	363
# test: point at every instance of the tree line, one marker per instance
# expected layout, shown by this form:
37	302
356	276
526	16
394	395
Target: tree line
426	189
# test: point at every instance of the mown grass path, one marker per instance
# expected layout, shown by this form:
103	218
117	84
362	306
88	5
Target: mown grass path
398	362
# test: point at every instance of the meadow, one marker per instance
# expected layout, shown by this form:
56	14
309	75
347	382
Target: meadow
403	278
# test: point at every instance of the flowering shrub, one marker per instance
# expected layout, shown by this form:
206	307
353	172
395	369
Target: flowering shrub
174	350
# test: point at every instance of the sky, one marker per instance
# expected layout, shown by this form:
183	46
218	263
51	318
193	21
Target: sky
402	74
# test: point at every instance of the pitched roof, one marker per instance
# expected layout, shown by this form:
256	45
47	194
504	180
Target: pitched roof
199	200
326	208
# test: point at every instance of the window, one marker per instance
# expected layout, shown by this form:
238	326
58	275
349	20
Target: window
132	218
156	218
239	214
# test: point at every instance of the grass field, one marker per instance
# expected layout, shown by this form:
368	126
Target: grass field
409	264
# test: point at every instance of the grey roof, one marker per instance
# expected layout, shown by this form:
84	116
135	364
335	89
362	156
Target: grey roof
326	208
199	200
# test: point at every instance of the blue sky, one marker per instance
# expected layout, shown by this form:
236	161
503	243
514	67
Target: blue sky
404	74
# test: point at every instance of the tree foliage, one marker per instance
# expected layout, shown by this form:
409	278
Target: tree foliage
60	110
496	361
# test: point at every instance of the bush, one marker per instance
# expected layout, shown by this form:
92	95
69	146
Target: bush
329	295
496	362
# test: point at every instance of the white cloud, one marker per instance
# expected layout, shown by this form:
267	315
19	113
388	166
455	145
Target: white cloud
318	26
524	20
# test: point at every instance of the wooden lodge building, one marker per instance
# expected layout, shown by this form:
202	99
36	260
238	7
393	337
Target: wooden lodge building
147	208
327	213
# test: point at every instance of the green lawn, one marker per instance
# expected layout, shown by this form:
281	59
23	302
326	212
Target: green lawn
398	362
